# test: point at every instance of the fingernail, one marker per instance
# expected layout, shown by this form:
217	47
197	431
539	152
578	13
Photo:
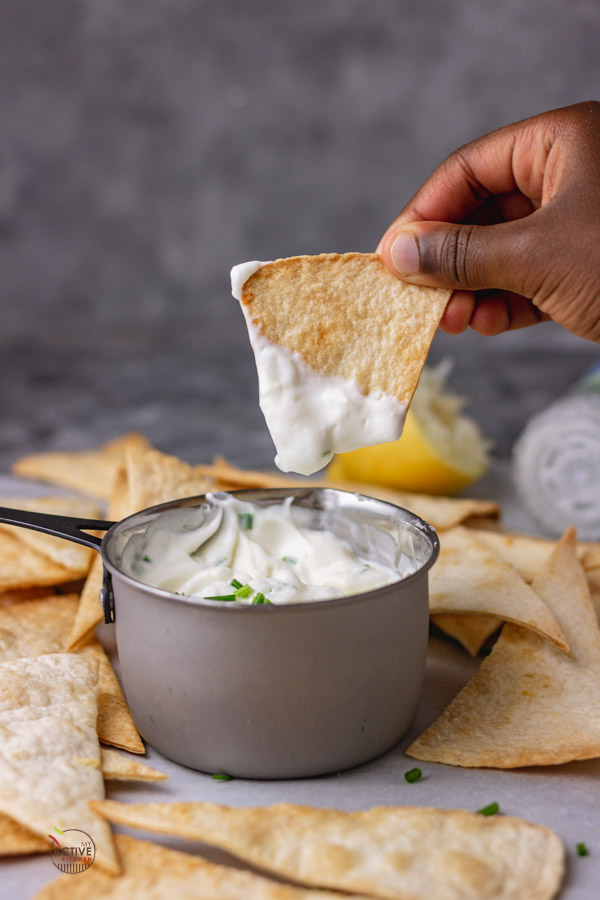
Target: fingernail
405	254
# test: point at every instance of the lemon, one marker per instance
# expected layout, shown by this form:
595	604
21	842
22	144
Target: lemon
441	451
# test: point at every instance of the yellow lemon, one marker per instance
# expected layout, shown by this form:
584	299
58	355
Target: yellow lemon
440	451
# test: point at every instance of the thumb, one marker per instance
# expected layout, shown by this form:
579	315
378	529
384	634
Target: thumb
471	257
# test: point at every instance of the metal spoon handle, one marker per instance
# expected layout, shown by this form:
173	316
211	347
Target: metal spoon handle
72	528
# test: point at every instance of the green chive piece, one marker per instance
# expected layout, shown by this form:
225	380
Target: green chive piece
289	559
246	521
146	558
582	849
244	591
235	583
326	453
490	810
413	775
222	776
260	599
223	597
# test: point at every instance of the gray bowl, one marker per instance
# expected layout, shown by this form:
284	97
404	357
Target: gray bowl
278	691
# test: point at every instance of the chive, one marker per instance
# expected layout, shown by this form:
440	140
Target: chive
244	591
289	559
222	776
246	521
490	810
413	775
582	849
223	597
260	599
235	583
326	453
146	558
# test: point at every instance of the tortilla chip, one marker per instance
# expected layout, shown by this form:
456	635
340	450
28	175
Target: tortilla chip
468	578
38	627
152	872
528	555
115	725
470	631
15	839
90	471
441	512
116	767
149	477
154	477
529	704
347	315
395	852
72	556
48	722
21	567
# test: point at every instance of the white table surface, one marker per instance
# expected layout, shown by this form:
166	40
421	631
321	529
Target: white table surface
565	798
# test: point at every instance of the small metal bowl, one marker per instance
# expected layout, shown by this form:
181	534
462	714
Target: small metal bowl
276	691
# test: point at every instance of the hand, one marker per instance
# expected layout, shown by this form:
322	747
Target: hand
525	243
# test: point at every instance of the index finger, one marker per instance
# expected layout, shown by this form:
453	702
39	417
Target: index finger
504	161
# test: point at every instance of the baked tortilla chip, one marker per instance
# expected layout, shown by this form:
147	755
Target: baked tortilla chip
468	578
72	556
347	315
15	839
154	477
89	471
49	752
152	872
339	326
148	478
116	767
41	626
22	567
470	631
529	704
528	555
391	852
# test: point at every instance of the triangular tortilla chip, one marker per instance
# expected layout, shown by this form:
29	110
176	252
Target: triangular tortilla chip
22	567
336	324
468	578
90	471
72	556
48	723
470	631
149	477
347	315
116	767
155	477
15	839
38	627
152	872
529	704
394	852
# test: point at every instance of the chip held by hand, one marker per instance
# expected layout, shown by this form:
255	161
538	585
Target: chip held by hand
339	344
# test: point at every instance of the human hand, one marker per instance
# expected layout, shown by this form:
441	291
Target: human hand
525	240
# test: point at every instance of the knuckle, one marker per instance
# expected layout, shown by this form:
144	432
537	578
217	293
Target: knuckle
454	262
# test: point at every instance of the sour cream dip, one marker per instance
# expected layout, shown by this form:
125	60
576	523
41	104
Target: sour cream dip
237	551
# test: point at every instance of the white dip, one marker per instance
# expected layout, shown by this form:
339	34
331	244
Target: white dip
252	554
312	416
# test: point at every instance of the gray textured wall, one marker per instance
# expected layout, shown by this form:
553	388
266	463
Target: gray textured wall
148	146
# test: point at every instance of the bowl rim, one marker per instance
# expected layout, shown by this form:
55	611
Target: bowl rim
255	495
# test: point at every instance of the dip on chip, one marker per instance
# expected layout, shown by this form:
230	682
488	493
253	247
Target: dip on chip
339	344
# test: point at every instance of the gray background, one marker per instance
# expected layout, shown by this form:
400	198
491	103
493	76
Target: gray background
148	146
